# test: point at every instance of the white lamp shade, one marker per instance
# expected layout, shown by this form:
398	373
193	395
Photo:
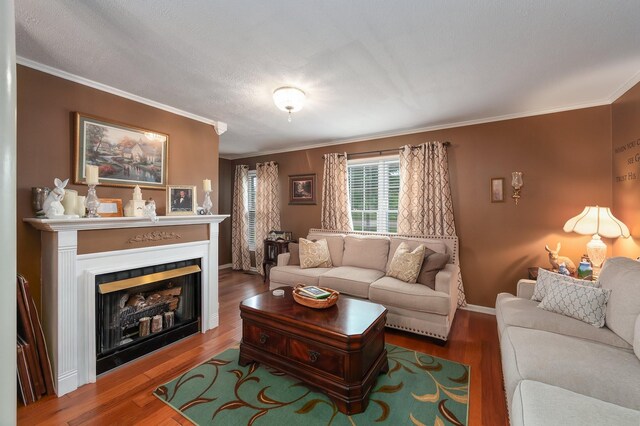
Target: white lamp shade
289	99
597	220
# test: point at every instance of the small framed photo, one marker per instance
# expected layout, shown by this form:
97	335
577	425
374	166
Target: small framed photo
302	189
181	200
110	207
497	190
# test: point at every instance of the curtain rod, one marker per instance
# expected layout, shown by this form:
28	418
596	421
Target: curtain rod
384	151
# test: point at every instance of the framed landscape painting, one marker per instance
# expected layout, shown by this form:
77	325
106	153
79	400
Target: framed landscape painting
302	189
125	155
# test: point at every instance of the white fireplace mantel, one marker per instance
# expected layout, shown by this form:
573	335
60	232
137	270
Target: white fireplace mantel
68	284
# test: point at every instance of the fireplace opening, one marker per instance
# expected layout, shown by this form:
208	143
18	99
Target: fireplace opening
141	310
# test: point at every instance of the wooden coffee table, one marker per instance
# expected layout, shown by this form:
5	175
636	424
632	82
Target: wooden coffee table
339	350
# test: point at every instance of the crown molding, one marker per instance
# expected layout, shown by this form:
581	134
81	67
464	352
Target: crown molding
219	126
624	88
376	136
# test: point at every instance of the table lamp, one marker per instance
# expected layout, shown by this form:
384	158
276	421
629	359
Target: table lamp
597	221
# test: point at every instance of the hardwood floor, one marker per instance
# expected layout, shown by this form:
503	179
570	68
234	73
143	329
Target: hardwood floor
123	396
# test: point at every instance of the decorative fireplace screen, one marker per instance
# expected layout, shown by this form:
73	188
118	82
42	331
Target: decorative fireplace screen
141	310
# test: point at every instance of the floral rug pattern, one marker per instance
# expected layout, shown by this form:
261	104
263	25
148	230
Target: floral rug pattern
418	389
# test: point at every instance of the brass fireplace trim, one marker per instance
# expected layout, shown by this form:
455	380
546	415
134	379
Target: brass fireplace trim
112	286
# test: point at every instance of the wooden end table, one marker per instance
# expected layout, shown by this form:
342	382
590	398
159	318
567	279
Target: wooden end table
339	350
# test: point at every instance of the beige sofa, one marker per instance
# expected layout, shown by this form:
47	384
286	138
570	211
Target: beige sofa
360	260
559	370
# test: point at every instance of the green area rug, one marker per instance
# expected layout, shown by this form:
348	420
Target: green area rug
418	389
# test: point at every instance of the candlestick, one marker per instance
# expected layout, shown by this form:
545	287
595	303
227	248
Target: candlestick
92	202
207	204
206	185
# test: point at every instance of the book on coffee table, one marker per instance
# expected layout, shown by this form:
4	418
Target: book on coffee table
314	292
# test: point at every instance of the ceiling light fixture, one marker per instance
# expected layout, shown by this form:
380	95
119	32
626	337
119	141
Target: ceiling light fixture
289	99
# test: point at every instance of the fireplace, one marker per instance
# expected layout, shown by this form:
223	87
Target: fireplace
78	253
143	309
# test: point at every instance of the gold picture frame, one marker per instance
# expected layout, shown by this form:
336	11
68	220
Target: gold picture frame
496	190
110	207
181	200
126	155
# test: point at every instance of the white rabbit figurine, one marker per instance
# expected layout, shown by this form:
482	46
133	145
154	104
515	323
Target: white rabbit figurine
52	206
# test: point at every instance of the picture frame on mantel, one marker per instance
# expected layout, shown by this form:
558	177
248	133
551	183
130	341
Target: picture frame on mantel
497	190
181	200
302	189
110	207
126	155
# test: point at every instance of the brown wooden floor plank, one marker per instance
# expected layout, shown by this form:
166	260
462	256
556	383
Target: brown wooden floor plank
124	396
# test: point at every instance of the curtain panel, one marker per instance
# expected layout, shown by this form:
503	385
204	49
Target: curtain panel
336	207
425	206
267	206
239	220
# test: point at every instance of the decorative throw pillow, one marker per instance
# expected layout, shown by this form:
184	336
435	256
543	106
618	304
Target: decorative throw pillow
294	254
405	264
545	278
588	304
314	254
433	263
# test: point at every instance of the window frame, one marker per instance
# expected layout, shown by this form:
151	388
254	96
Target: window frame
383	188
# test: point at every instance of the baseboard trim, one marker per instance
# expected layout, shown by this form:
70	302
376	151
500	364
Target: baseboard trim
225	266
478	308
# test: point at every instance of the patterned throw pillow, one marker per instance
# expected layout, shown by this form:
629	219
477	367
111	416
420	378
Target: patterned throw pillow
314	254
406	264
588	304
545	278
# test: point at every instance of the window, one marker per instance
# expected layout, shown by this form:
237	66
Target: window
251	207
374	187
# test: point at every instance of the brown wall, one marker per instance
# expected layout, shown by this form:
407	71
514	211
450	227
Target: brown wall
566	162
225	182
625	113
45	148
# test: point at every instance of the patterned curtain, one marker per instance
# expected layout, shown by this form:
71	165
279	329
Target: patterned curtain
267	206
425	206
336	207
239	220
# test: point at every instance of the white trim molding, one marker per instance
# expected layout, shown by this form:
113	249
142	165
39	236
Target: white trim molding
480	309
225	266
219	126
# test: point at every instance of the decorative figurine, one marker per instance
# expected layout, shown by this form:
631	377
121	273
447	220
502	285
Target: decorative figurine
555	260
562	269
585	271
150	210
135	207
52	207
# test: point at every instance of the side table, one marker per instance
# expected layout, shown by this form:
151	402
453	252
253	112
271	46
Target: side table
271	251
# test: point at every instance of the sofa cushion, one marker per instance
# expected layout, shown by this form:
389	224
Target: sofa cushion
519	312
292	275
433	245
406	264
536	403
587	304
294	257
545	278
335	243
433	263
390	291
314	254
589	368
622	276
350	280
369	252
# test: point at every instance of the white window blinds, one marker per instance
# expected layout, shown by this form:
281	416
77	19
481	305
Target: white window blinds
374	186
251	220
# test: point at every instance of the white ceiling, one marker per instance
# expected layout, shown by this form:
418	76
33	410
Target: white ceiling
368	67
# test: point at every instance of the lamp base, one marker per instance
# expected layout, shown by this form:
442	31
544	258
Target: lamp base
597	252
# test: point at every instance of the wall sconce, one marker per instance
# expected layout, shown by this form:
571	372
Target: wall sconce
516	183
